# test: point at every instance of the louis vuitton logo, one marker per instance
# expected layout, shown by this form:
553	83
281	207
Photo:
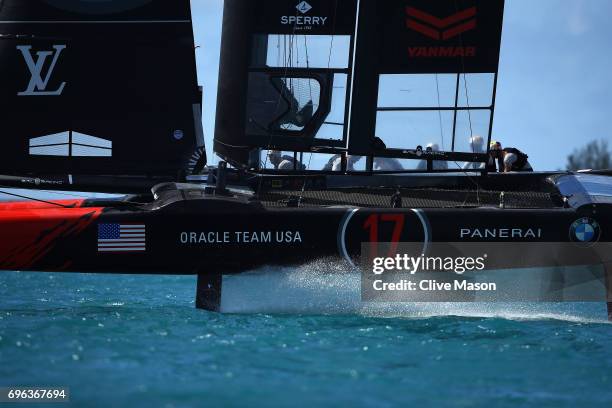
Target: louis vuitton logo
39	81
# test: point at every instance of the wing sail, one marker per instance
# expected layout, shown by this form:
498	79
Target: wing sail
98	87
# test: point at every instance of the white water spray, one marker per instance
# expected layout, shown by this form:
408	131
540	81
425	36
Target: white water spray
332	287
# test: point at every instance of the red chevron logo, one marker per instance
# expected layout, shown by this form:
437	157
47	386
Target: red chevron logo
441	28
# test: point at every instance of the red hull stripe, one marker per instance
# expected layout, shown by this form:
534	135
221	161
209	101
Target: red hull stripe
27	235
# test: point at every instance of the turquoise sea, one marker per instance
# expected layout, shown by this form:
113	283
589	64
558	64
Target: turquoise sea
119	341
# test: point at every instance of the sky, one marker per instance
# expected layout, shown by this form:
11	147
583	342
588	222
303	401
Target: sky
555	78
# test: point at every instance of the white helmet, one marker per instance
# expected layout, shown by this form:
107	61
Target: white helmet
476	141
434	147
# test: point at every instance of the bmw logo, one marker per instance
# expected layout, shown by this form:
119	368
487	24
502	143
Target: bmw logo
585	230
178	134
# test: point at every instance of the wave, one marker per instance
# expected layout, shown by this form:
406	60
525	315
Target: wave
331	287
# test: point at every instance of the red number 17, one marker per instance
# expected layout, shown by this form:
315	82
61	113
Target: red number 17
372	223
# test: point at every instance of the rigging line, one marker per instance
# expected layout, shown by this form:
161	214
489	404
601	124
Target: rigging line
440	112
65	194
238	146
331	45
307	63
278	51
36	199
469	115
312	102
297	54
467	98
467	95
308	67
331	48
280	95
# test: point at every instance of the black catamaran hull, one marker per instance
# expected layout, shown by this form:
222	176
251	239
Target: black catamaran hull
186	231
106	97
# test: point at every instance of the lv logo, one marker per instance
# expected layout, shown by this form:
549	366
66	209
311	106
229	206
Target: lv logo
39	82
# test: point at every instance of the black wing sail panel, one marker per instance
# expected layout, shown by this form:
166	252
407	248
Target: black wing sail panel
285	72
419	79
97	87
445	36
449	47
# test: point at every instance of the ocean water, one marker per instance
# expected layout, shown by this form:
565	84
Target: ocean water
138	341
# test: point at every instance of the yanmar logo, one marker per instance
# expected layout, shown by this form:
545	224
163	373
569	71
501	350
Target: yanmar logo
441	29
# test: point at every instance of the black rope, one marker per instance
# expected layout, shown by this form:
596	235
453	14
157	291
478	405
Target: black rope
331	48
287	66
469	116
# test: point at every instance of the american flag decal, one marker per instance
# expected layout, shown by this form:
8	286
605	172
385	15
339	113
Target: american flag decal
121	238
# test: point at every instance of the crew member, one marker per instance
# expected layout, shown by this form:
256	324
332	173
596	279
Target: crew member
335	163
477	145
284	162
437	164
387	164
508	159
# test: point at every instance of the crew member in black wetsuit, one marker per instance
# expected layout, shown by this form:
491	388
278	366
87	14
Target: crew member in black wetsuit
507	159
